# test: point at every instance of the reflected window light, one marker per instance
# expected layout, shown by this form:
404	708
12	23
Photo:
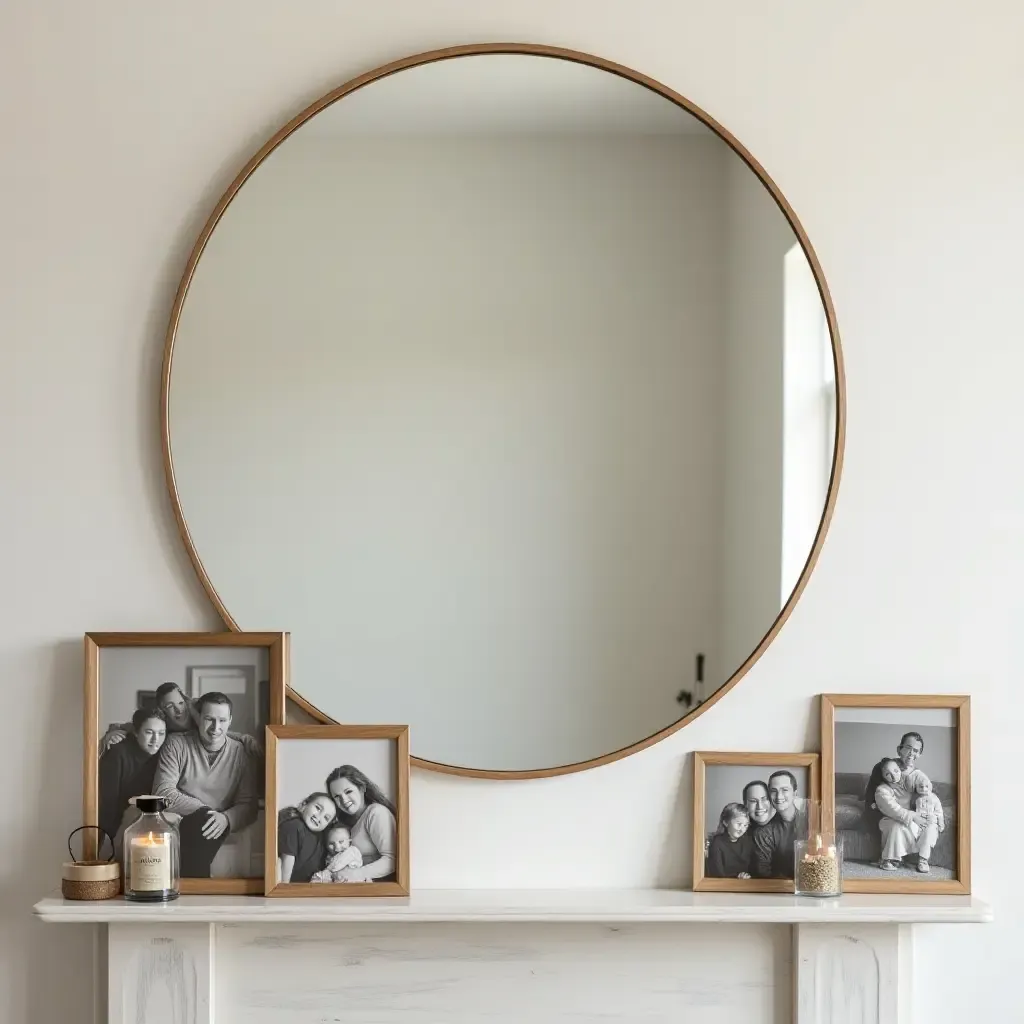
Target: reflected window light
809	416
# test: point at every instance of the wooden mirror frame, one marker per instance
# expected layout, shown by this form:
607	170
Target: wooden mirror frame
476	49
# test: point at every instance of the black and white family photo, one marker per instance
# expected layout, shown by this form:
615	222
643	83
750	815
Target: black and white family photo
748	815
896	806
340	801
186	723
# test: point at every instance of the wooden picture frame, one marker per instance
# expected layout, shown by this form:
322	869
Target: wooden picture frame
173	668
914	709
285	781
767	763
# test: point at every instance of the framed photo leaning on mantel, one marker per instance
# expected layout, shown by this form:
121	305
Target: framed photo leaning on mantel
337	810
747	810
183	716
896	778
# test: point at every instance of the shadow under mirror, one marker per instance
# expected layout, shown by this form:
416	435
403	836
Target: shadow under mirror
506	386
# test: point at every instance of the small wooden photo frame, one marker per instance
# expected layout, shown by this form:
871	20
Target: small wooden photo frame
747	809
896	779
182	715
337	810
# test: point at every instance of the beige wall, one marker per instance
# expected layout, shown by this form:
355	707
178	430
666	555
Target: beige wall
894	130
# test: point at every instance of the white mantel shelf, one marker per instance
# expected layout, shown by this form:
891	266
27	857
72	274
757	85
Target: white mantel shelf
612	906
500	954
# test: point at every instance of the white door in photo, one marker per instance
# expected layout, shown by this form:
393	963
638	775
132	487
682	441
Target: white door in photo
241	856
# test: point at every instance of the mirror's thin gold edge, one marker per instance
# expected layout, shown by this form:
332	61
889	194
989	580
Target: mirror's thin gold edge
560	53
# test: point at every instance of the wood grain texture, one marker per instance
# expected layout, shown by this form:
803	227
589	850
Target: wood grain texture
960	704
233	639
90	746
160	975
424	974
279	657
399	734
530	906
963	794
421	973
701	760
277	645
575	56
852	974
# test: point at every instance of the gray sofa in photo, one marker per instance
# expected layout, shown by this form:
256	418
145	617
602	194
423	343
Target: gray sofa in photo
864	843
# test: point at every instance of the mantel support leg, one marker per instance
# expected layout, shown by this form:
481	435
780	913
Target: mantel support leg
160	974
852	974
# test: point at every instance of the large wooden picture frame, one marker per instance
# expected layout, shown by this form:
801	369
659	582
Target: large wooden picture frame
306	765
123	674
755	773
859	732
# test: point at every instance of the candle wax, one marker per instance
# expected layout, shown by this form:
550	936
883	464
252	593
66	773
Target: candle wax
150	864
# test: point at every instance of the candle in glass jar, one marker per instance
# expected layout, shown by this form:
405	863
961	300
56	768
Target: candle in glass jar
151	854
818	872
150	863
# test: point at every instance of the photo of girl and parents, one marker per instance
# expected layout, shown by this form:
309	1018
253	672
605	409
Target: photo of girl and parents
896	792
201	753
343	828
753	815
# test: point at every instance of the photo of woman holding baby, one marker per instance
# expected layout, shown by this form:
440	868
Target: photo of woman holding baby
369	817
349	835
898	790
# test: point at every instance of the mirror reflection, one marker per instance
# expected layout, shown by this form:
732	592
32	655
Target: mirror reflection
505	385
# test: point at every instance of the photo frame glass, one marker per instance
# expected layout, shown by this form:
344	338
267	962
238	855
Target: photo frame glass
340	800
896	793
748	811
186	720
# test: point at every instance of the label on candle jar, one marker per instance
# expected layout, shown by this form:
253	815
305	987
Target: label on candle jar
150	866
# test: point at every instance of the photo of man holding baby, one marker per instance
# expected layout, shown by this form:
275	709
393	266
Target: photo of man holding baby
340	819
896	793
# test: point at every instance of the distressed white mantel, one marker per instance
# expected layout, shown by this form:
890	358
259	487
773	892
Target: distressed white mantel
461	956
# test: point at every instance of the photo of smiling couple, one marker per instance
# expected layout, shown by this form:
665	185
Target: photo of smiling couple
339	817
753	813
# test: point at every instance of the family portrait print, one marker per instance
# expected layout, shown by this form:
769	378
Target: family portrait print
337	818
183	717
896	776
748	811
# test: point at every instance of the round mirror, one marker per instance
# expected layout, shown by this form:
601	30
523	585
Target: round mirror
506	381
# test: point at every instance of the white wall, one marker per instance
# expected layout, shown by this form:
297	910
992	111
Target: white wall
447	409
860	745
757	239
303	765
894	130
